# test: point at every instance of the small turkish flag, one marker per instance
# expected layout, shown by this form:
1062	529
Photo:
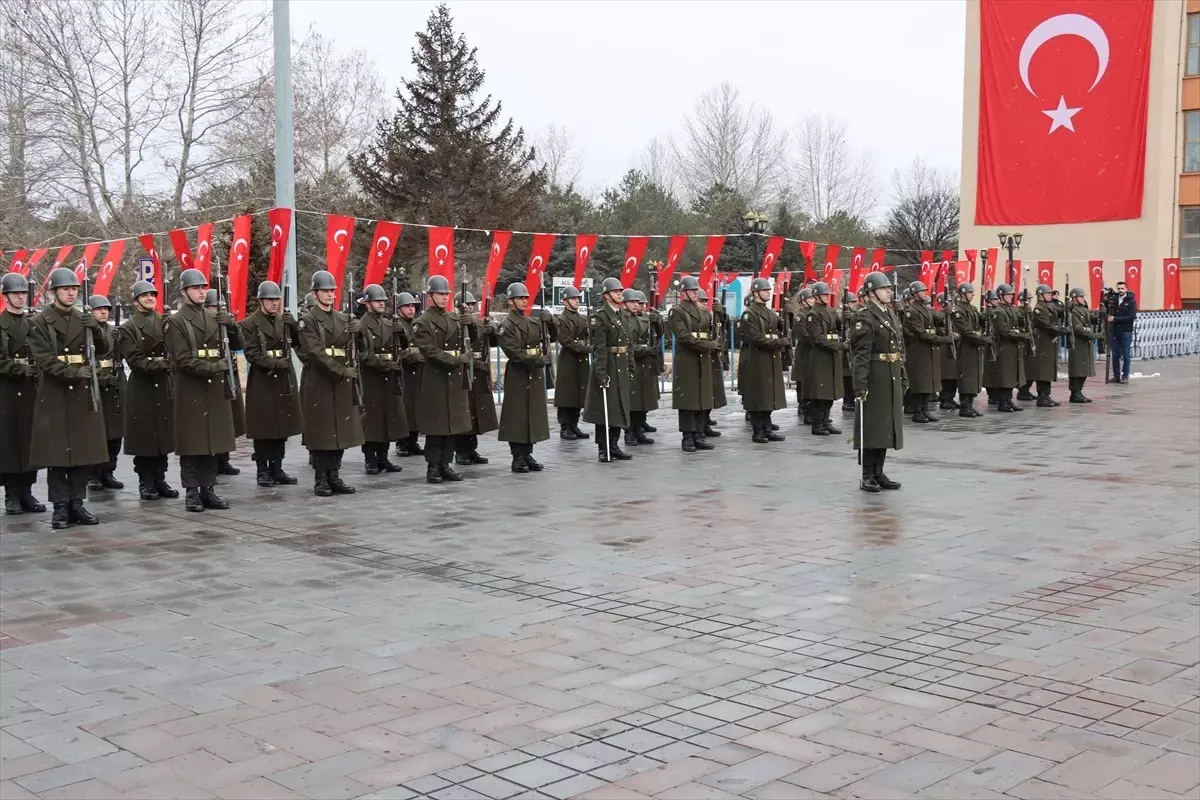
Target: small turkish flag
539	254
339	231
1133	277
633	259
18	262
1096	281
280	220
770	256
857	272
108	267
495	262
835	283
441	253
961	272
971	256
1172	293
1046	273
183	250
712	254
674	253
238	276
585	245
809	251
383	245
85	263
204	248
831	257
927	268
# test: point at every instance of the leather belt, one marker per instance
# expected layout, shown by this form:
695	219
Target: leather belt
336	352
156	358
619	350
209	353
384	356
452	353
533	351
273	354
831	336
412	350
702	334
105	364
24	361
770	337
71	359
931	331
890	357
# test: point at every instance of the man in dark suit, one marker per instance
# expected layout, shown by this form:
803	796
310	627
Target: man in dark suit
1121	315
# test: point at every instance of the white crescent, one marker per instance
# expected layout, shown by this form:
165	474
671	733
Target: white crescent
245	246
583	253
858	261
708	261
1172	268
496	249
1097	270
440	252
1045	275
536	263
1133	271
383	247
769	260
201	250
341	231
185	259
107	268
276	233
1065	25
17	266
154	254
631	262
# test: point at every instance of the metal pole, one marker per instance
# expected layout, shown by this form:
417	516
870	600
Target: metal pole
285	162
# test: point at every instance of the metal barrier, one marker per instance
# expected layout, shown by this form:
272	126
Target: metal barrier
1166	334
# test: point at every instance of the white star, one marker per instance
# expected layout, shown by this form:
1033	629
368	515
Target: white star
1061	116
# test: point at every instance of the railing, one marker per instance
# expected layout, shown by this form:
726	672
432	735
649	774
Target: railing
1166	334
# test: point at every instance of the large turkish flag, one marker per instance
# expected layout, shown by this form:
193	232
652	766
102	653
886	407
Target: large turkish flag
1062	110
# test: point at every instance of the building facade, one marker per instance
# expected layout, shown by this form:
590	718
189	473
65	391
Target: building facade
1169	222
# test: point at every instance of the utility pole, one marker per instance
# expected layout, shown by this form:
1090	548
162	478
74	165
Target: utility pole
285	161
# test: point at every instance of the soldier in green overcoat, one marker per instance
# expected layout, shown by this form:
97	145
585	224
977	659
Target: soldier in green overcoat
68	436
149	407
573	368
523	420
611	378
1012	340
18	398
212	305
483	401
1081	361
112	398
629	311
1043	364
720	361
760	362
800	306
330	400
444	400
696	353
949	365
820	330
922	351
383	415
987	325
646	331
967	322
879	382
269	336
412	361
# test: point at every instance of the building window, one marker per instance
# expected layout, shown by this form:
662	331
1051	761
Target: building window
1191	141
1193	51
1189	237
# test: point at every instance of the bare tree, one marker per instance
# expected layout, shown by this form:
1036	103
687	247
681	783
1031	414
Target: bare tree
728	141
925	211
658	164
558	154
828	175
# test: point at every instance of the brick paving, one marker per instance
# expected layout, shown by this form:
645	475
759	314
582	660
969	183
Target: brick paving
1021	621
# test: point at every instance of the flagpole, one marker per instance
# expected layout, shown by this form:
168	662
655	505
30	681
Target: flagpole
285	163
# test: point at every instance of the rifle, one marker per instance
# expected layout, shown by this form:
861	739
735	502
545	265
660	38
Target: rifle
286	344
466	334
1027	322
89	349
1069	336
233	384
785	331
545	339
951	290
398	385
352	346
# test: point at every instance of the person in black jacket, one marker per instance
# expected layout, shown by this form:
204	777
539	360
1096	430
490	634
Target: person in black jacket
1121	315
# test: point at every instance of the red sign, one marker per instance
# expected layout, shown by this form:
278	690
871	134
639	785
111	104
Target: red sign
1133	277
383	245
1045	273
1172	294
633	259
1063	94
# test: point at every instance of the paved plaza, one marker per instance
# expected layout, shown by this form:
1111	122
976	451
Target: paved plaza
1022	620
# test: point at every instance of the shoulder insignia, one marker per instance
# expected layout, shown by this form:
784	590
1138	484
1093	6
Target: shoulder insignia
858	325
301	324
595	321
810	317
499	329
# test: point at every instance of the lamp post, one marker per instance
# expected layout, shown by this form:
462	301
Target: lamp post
755	223
1010	242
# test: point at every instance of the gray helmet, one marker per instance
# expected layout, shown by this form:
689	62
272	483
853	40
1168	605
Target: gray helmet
821	288
98	301
760	285
1044	289
1004	290
848	296
990	295
310	300
323	279
438	284
467	299
1077	291
629	296
192	277
689	283
570	292
806	293
917	286
142	287
13	282
874	281
641	296
374	292
966	288
610	285
516	290
210	299
269	290
703	294
406	299
63	278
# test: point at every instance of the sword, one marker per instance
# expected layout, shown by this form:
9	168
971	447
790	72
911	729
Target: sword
607	427
862	412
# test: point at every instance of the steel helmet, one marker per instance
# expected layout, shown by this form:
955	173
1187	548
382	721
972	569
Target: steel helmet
611	285
210	299
806	293
641	296
760	285
13	282
1077	291
63	278
142	287
821	288
703	294
570	292
629	296
689	283
917	286
1044	289
310	300
515	290
190	278
875	281
966	288
438	284
269	290
406	299
323	279
466	299
374	292
1004	289
98	301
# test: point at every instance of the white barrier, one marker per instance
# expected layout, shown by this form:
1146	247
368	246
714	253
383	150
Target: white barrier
1166	334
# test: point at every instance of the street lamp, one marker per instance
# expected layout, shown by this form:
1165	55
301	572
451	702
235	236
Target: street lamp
756	223
1010	242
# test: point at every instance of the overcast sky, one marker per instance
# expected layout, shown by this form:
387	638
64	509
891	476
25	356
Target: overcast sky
619	73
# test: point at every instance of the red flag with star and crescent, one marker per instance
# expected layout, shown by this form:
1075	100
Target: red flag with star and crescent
108	267
858	258
770	256
18	262
495	262
1095	282
674	253
85	262
1054	75
60	256
204	249
712	254
809	251
878	256
239	266
831	257
1172	292
927	269
971	255
1133	277
539	255
1046	273
634	253
339	231
280	220
183	250
147	240
585	245
441	253
383	245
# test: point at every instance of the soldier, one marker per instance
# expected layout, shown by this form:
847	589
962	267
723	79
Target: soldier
850	306
149	408
571	379
967	322
1081	362
330	404
760	365
212	304
411	359
1043	364
444	401
823	368
696	352
1011	341
986	316
268	337
68	436
611	378
802	304
923	359
949	364
879	382
112	398
483	400
383	414
523	420
18	398
629	310
720	363
658	333
201	391
646	331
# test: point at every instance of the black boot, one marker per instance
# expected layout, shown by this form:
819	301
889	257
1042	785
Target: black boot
689	442
467	459
29	503
384	464
1044	400
518	464
192	501
61	517
12	501
759	436
109	479
575	426
993	397
447	472
414	447
1076	394
883	480
710	431
648	428
1024	393
321	486
614	441
702	442
338	485
210	499
1011	405
868	483
926	401
226	468
565	431
370	460
165	489
630	438
146	488
432	474
829	427
94	483
639	431
263	474
533	464
280	477
402	449
967	407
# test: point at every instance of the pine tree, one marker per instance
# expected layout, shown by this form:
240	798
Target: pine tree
446	157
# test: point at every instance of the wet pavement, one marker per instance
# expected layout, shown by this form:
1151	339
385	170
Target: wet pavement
1022	620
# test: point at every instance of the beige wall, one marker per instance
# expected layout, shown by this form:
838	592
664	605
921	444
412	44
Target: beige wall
1155	235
